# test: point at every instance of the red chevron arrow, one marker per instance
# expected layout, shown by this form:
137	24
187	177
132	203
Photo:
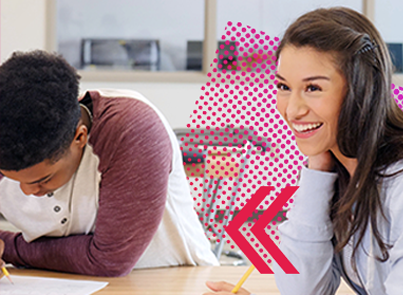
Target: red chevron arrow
258	229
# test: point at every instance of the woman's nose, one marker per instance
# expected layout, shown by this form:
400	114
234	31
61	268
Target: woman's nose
30	189
296	107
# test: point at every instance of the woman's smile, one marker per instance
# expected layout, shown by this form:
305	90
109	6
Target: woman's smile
305	129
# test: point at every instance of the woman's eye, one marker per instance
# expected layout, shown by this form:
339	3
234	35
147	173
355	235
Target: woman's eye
313	88
282	86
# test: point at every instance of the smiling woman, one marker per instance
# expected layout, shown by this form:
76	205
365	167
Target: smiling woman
334	77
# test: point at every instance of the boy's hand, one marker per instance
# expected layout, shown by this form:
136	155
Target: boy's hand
2	263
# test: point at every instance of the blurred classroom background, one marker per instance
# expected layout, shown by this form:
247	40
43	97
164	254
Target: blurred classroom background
161	48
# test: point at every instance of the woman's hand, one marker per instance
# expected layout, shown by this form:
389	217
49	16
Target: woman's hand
321	162
223	288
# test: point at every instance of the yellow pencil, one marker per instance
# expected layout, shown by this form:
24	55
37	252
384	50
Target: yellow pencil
243	279
4	270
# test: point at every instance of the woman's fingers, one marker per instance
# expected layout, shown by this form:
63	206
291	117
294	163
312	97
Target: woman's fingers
220	286
223	288
321	162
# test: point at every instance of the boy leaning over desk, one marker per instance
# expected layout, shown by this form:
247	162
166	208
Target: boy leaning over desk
96	184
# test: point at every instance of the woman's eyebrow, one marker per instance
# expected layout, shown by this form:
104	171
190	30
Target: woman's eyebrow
316	78
305	79
280	77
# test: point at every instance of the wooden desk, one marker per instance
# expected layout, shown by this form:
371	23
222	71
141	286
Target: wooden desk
175	280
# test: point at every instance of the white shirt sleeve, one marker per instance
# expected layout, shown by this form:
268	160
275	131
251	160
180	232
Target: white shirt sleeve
306	238
394	208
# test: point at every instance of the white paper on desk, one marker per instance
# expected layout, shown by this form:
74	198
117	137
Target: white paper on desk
48	286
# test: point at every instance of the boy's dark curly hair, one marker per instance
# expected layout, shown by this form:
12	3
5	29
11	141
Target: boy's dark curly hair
39	110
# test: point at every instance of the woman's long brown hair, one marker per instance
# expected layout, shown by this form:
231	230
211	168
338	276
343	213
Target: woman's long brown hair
370	124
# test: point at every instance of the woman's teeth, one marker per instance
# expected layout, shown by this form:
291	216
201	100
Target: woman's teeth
306	127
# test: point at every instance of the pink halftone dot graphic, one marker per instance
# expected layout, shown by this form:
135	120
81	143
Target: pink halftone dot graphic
397	94
241	140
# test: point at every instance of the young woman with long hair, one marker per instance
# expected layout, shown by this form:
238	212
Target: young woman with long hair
334	91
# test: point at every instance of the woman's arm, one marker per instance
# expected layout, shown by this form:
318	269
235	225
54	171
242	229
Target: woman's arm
135	160
393	208
394	281
306	238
